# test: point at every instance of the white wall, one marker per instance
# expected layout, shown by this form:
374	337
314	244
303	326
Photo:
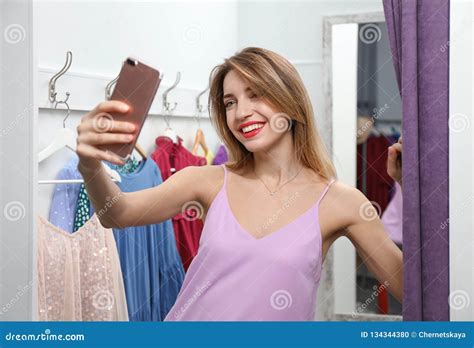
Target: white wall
295	30
461	159
17	167
344	98
190	37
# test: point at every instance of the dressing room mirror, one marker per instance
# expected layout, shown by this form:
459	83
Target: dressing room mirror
363	102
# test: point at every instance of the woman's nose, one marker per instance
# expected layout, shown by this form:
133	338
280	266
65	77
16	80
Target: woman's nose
244	110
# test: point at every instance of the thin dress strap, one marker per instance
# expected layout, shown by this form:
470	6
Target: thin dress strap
326	189
225	175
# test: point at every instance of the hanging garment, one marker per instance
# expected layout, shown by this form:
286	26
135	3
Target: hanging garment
79	275
238	277
392	217
187	227
151	265
83	210
209	157
221	156
378	182
152	269
63	203
83	206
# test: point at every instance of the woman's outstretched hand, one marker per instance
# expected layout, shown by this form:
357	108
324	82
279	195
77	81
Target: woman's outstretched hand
394	161
98	129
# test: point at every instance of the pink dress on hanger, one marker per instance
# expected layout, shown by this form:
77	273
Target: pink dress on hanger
238	277
79	274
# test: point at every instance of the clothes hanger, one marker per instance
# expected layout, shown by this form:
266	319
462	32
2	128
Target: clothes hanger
140	151
200	139
64	137
168	111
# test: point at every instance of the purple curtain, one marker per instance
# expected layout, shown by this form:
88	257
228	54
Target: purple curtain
419	38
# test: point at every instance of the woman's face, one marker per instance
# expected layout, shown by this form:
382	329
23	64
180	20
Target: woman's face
253	122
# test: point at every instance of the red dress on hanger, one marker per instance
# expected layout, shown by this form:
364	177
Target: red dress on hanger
187	228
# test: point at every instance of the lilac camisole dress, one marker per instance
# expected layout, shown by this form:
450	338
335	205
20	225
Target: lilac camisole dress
237	277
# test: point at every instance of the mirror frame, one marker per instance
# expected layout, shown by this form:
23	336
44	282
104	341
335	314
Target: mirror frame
328	287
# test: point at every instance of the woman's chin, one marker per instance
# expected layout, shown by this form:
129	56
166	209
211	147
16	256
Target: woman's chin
256	146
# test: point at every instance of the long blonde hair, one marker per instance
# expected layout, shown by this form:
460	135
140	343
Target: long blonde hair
278	82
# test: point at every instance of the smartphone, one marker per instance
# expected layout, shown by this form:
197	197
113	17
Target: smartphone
136	86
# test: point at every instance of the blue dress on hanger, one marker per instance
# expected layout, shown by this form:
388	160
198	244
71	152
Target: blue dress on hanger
152	268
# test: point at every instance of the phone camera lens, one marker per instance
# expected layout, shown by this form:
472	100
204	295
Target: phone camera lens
132	61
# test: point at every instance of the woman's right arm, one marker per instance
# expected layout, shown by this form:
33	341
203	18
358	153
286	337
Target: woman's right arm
113	207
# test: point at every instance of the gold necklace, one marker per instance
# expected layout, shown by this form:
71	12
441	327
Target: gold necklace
278	189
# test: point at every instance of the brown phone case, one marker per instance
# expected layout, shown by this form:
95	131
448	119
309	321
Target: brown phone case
137	85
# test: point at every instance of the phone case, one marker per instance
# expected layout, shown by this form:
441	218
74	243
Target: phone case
137	85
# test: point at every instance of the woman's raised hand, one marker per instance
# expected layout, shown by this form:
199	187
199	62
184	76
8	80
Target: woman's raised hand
394	162
98	128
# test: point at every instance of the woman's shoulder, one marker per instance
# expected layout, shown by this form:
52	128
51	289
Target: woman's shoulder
344	202
203	178
345	195
208	172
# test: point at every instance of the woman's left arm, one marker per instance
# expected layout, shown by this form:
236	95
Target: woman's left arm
380	254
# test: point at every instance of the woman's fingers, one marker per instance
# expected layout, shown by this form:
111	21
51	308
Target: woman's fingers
111	106
98	128
394	167
91	138
90	151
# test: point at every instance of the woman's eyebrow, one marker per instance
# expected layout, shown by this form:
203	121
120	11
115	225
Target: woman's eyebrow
231	95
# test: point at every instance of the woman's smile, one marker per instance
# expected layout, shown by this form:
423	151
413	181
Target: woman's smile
251	128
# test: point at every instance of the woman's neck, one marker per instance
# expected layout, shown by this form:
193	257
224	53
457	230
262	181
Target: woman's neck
277	165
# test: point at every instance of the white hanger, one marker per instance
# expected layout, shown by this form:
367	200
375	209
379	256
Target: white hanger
170	133
65	137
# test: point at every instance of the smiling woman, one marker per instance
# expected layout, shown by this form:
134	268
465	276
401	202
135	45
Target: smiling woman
274	84
271	213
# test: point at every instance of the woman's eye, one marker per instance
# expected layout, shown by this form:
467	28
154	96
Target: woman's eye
228	104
